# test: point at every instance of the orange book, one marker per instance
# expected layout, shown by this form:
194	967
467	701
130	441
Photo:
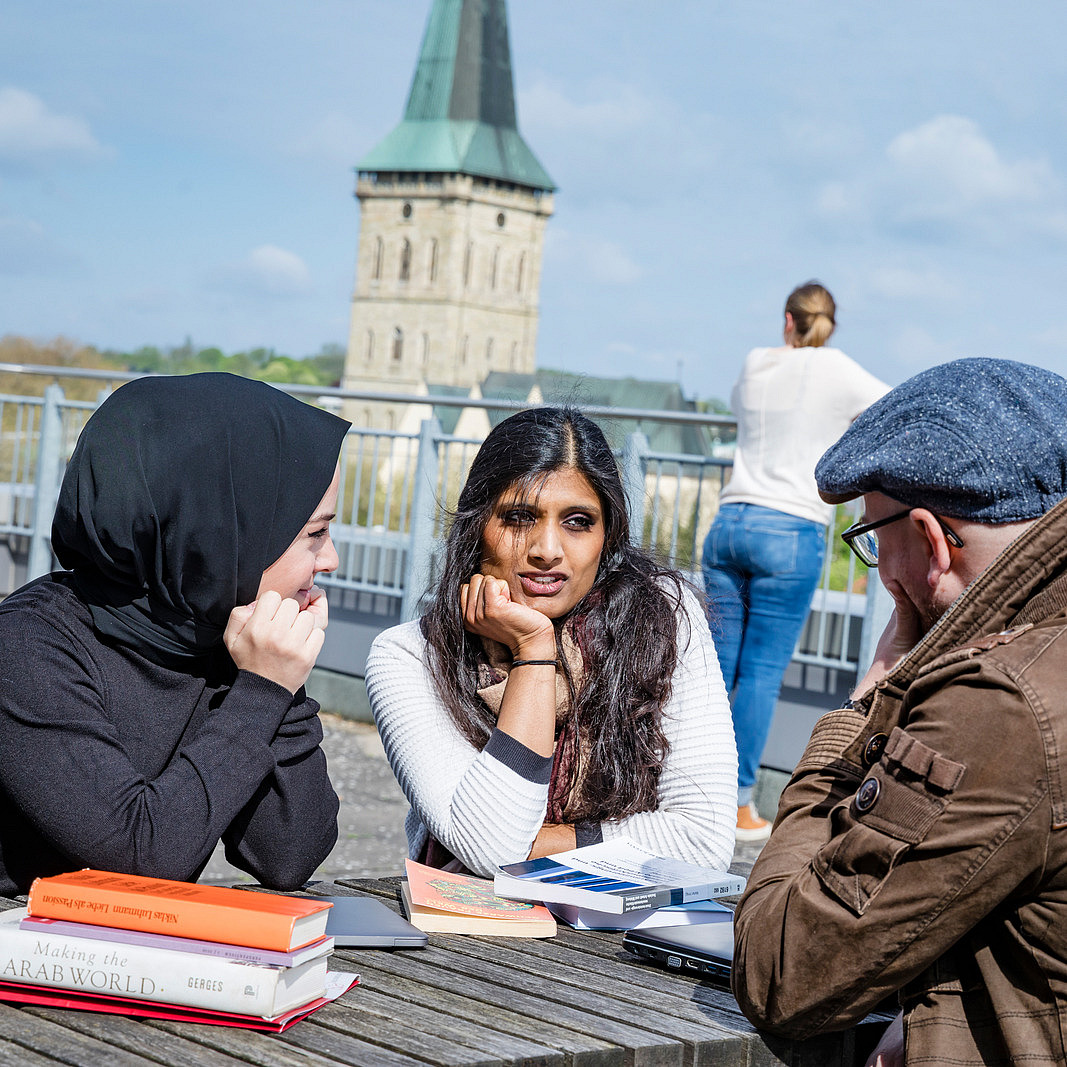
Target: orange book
182	909
438	902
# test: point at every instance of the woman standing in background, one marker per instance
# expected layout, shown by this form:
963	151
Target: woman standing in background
764	552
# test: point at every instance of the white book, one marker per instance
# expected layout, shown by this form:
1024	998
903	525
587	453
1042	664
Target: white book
614	877
697	911
196	981
322	947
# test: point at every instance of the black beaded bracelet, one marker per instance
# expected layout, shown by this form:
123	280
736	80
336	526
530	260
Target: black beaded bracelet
533	663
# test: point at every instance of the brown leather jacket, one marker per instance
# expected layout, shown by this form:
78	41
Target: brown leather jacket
921	845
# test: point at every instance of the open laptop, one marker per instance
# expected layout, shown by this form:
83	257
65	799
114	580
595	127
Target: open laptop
704	949
365	922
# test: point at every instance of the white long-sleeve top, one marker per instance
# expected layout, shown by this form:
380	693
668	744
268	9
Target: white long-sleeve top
791	405
486	807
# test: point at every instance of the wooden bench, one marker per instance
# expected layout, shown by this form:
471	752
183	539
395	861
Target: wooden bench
578	998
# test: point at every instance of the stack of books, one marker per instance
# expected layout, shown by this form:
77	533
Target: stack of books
618	885
149	946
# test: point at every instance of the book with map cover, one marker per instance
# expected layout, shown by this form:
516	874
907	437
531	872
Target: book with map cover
439	902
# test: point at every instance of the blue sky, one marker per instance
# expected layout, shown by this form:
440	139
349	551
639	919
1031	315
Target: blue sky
185	168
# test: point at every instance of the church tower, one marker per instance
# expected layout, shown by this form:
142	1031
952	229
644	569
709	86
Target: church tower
453	207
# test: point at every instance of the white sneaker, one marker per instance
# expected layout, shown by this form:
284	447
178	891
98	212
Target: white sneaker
750	825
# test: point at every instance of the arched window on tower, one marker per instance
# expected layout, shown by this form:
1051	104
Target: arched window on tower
489	354
514	355
405	261
425	349
493	268
398	344
520	271
379	253
464	348
432	265
468	258
368	352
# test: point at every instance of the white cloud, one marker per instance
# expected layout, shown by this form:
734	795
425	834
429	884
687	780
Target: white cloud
594	258
281	273
946	176
335	138
915	348
609	139
26	248
267	271
615	109
31	133
1055	223
839	200
904	283
950	164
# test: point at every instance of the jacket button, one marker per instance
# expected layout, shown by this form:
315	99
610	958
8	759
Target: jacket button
867	794
872	751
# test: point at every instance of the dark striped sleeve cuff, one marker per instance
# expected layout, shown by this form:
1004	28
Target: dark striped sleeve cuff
522	760
588	833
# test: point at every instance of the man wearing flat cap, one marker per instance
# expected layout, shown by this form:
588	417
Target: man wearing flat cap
920	848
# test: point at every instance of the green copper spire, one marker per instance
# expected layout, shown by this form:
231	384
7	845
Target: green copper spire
460	116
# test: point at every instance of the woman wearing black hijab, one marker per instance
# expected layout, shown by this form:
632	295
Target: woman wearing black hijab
151	694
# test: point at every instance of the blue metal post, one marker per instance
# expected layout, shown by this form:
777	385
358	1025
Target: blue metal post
634	450
46	486
423	506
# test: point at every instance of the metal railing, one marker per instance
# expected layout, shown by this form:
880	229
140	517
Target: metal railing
395	491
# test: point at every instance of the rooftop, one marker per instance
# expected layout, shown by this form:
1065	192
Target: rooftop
460	115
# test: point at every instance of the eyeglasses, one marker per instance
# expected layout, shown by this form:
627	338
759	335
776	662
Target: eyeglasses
862	539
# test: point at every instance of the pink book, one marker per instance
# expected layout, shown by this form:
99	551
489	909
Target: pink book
18	993
273	957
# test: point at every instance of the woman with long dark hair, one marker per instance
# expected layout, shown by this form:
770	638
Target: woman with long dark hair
153	692
562	689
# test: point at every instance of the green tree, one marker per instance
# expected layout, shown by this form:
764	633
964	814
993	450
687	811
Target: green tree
324	368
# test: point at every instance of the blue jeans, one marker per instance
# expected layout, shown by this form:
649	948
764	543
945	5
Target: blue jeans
760	569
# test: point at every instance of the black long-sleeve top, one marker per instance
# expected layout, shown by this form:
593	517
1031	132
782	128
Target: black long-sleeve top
108	760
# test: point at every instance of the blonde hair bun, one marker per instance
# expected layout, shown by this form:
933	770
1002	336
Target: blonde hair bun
813	311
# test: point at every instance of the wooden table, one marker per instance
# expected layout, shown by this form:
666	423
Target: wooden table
578	998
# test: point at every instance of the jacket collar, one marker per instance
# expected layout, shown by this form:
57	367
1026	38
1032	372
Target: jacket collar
1019	586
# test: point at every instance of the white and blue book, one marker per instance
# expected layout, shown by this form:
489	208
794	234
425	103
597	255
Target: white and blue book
614	877
696	911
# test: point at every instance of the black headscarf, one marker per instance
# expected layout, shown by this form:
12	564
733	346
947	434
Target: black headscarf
181	492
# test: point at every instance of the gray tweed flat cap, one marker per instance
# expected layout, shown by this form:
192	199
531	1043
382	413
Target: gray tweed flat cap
979	439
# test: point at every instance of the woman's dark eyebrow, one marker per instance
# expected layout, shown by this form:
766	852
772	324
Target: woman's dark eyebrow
322	518
534	505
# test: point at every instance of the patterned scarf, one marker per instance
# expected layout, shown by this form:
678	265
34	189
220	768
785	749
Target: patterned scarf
568	766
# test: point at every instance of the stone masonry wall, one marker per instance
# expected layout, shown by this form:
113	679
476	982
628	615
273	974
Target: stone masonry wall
447	282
